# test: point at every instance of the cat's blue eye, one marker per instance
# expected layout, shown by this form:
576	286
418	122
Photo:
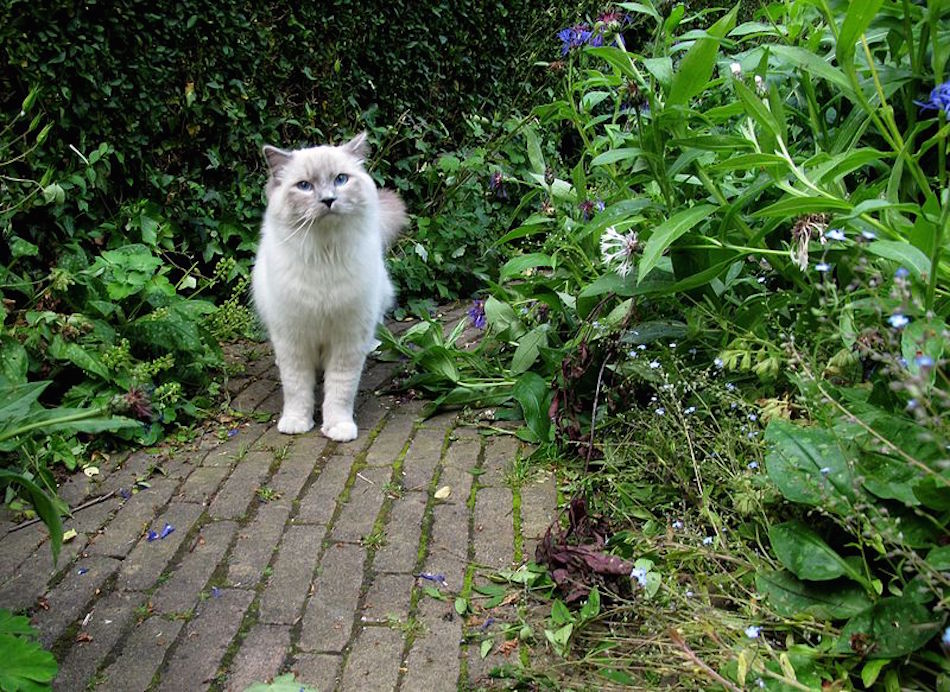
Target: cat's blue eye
304	185
341	179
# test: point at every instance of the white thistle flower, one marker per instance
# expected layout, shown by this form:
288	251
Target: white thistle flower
615	247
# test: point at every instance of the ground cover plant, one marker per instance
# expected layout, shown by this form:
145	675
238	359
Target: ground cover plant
727	301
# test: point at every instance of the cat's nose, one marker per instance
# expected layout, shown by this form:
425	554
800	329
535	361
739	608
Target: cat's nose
328	201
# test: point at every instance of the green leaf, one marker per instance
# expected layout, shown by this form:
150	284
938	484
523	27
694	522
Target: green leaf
433	592
282	683
807	556
533	393
796	206
615	155
535	157
45	509
856	22
528	349
892	627
591	607
560	614
502	319
902	252
871	670
696	67
755	109
461	605
518	264
666	233
789	596
15	624
26	665
807	466
662	69
939	558
816	66
486	647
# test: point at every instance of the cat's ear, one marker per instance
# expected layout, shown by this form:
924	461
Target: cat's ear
358	147
276	159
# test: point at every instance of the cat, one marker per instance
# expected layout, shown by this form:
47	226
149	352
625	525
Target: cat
319	281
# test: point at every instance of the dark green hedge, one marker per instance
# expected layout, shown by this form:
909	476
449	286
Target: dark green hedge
186	92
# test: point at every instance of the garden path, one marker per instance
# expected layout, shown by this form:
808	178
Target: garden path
288	554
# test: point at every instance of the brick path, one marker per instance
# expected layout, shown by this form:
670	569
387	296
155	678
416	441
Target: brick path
289	554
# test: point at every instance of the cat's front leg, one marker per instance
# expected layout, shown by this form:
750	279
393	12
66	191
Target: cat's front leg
341	379
297	378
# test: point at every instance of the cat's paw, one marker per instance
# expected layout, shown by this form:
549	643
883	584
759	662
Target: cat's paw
294	425
343	431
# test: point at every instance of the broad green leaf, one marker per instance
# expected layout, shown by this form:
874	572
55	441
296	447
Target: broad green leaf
666	234
13	361
517	265
560	613
486	647
461	605
17	400
939	558
892	627
807	466
662	69
789	596
502	319
26	665
535	157
15	624
640	8
591	607
816	66
615	155
888	478
902	252
871	670
528	348
77	355
856	22
797	206
615	58
696	67
806	555
532	393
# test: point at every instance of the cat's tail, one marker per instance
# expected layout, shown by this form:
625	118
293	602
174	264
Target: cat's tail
392	216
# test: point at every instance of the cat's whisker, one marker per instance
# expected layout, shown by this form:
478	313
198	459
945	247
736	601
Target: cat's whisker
299	227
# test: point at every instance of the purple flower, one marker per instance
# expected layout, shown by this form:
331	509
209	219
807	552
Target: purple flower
497	185
215	592
124	494
437	578
588	207
489	621
152	536
168	528
81	571
476	313
574	37
939	100
232	432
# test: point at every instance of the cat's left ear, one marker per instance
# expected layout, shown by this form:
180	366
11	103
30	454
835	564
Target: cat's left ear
358	147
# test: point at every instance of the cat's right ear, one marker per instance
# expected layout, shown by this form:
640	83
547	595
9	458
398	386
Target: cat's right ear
276	159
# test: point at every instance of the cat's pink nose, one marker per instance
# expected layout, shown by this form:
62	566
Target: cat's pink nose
328	201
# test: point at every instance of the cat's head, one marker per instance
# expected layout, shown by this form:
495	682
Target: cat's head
320	183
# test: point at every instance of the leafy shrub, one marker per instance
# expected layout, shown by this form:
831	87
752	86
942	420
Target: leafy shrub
26	666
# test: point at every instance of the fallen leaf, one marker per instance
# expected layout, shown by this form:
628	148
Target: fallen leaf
508	647
443	493
83	637
69	535
91	471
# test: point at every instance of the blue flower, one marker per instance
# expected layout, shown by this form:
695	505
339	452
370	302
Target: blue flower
824	470
497	185
167	529
898	321
718	362
640	574
152	536
822	267
477	314
661	411
939	99
215	592
708	540
869	235
924	361
835	234
574	37
945	637
688	410
901	273
752	631
81	571
752	465
677	524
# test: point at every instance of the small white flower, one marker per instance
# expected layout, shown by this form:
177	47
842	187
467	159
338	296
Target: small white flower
752	465
835	234
718	362
673	345
708	540
762	279
690	409
898	321
640	575
869	235
689	593
753	417
654	364
824	470
822	267
736	69
759	84
677	525
730	386
752	631
661	411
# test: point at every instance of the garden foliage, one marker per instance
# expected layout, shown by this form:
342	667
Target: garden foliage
767	201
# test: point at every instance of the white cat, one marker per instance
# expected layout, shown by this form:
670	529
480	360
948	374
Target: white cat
319	281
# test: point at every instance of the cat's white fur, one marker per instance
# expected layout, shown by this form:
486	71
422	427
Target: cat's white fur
319	281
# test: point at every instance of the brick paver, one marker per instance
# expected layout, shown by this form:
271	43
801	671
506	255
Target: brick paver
288	555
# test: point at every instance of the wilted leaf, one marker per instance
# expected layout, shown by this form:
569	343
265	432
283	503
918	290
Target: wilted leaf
443	493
